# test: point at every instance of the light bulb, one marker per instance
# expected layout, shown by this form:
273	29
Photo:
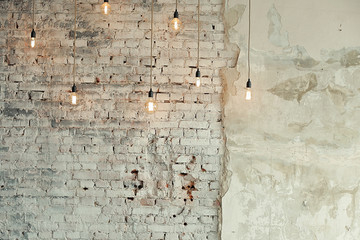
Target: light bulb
106	7
248	90
175	24
73	96
33	36
248	94
32	42
198	80
151	105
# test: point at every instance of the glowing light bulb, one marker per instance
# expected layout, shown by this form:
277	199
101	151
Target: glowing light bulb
151	105
32	42
73	96
33	36
175	24
198	80
248	94
73	99
106	7
248	90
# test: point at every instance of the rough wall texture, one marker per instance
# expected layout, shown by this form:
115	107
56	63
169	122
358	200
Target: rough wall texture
293	153
104	169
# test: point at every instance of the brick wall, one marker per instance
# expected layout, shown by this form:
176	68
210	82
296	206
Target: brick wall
105	169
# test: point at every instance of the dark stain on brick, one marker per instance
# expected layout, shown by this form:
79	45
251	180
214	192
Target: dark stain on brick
48	172
4	149
10	61
86	34
190	187
54	123
13	112
141	185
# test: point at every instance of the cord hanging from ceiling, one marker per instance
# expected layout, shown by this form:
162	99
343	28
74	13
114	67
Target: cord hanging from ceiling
73	95
176	24
248	83
198	74
33	33
151	105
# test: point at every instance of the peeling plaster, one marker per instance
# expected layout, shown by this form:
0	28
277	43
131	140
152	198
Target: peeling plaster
276	36
295	88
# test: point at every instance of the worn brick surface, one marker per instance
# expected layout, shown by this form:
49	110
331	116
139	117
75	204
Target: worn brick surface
104	169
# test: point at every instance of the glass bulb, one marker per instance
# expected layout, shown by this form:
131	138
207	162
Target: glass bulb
73	98
150	105
175	25
198	82
248	94
106	8
32	42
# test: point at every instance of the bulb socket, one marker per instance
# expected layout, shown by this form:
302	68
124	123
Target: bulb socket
176	14
151	93
73	89
197	74
248	83
106	1
33	34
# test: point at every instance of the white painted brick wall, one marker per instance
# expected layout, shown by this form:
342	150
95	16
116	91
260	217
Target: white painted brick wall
105	169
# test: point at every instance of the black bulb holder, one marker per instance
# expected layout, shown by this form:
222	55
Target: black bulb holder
33	34
248	83
106	1
197	73
151	93
73	89
176	14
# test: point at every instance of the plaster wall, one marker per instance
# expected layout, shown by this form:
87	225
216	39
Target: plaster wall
292	156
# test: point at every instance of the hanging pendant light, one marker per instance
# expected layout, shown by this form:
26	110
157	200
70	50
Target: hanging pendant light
248	83
106	7
198	74
33	33
73	96
151	105
175	24
198	80
248	90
